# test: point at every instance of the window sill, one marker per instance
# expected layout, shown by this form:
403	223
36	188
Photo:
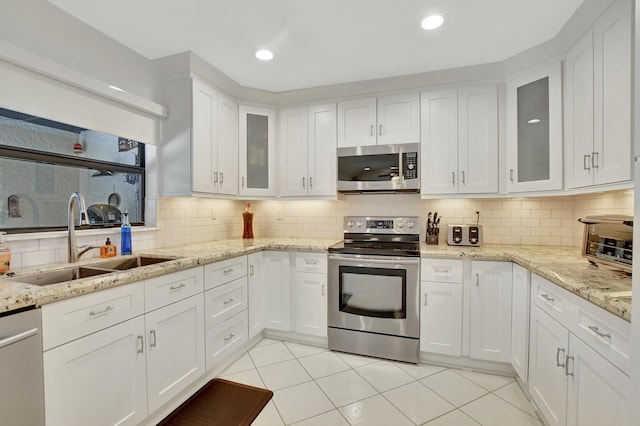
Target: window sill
79	232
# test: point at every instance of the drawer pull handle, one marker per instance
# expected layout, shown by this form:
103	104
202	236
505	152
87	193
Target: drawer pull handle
152	343
177	287
558	363
547	298
229	337
229	300
227	271
597	331
477	280
425	299
140	345
311	262
566	365
441	271
104	311
323	292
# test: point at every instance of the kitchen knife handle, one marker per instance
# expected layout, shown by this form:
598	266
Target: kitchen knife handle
585	161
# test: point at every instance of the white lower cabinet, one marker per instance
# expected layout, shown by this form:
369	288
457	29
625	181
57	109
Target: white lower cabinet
570	382
490	314
99	379
520	321
225	337
441	318
175	349
277	290
311	303
255	293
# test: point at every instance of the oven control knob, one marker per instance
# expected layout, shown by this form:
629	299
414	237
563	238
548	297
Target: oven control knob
400	225
411	225
359	224
350	224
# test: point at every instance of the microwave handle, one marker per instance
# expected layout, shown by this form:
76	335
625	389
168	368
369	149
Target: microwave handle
401	169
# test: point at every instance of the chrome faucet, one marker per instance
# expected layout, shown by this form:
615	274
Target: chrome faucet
73	250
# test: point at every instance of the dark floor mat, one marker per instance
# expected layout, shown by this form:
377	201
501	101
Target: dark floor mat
220	403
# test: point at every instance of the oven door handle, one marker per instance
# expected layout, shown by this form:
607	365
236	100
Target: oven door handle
388	261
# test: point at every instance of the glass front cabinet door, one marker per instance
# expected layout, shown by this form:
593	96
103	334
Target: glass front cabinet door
534	130
257	151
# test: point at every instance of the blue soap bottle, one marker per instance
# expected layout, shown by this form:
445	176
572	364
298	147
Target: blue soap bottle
125	235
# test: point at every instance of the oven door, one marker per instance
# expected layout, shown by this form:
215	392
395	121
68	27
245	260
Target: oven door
378	294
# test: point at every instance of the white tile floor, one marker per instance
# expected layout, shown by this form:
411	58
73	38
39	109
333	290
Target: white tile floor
316	387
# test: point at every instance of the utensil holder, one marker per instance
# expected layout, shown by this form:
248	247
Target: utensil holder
432	239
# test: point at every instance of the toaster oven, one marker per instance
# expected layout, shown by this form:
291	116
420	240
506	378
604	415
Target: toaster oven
608	240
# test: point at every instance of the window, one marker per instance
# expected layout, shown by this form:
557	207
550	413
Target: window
42	162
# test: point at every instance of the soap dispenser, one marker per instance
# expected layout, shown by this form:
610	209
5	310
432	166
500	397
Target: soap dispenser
108	249
125	235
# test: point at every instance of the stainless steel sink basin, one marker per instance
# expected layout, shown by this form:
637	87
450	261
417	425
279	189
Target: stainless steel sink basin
60	275
134	262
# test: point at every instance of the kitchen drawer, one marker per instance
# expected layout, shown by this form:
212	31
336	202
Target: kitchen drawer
311	262
552	299
167	289
226	337
441	270
224	271
225	301
606	333
74	318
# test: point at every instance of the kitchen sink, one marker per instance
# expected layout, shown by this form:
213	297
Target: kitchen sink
134	262
60	275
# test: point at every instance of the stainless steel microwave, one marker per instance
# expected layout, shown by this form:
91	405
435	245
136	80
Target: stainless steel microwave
381	168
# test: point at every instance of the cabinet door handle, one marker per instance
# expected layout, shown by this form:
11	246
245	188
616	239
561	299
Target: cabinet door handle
251	270
477	280
463	180
221	177
310	182
558	363
242	182
177	287
511	175
215	177
229	337
152	342
380	130
104	311
229	300
372	130
303	183
425	299
323	289
566	365
227	271
140	345
597	331
547	298
453	178
585	162
594	160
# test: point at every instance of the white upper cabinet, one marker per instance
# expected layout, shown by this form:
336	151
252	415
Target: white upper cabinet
307	151
200	149
257	151
533	129
385	120
598	102
460	140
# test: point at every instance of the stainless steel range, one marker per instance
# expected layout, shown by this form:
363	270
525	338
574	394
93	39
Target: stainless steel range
374	288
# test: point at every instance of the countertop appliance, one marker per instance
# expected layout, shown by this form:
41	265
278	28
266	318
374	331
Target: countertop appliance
464	235
379	168
608	240
21	376
374	288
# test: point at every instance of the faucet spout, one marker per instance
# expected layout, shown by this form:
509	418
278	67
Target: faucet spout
72	245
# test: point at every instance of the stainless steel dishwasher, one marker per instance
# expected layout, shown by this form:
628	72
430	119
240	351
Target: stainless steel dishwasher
21	378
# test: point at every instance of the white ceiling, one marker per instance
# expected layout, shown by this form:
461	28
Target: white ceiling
324	42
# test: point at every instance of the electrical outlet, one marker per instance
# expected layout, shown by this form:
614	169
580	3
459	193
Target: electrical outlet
213	215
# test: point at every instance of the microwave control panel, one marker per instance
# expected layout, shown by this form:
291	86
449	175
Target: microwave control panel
410	165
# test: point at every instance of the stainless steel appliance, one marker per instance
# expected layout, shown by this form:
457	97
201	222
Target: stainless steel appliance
608	240
21	377
374	288
464	235
386	168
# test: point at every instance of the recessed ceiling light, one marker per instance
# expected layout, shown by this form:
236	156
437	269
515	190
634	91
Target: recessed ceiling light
534	121
264	54
432	22
116	88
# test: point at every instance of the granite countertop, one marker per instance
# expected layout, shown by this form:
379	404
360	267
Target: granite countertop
562	266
